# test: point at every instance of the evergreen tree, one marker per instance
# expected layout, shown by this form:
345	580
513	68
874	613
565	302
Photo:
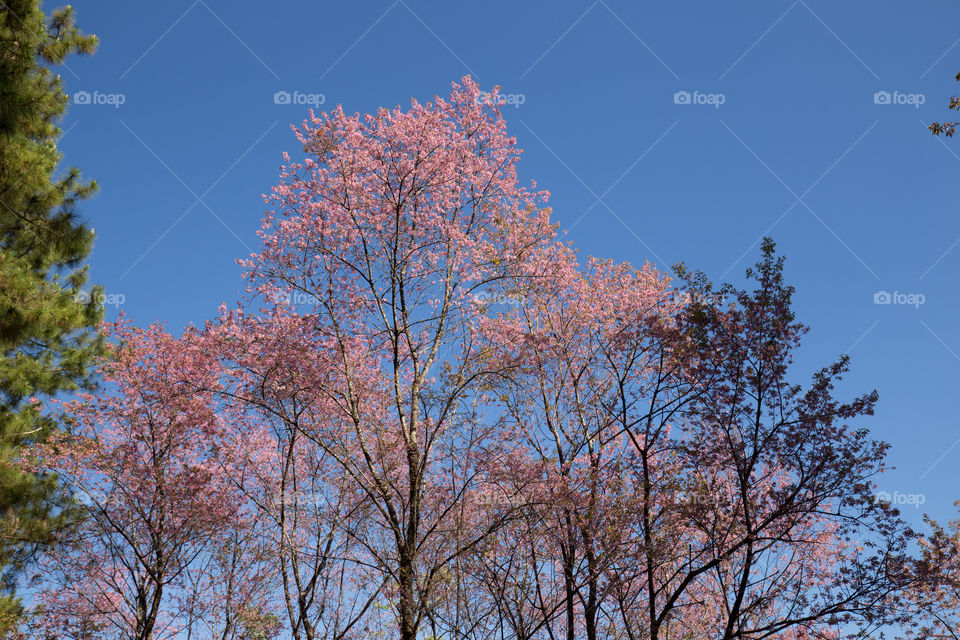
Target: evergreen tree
47	341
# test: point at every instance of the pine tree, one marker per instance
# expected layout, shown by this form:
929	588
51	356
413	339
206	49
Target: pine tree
47	336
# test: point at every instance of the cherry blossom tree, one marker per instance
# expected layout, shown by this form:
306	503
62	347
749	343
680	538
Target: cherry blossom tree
932	599
745	508
775	531
426	418
391	228
577	339
312	516
165	547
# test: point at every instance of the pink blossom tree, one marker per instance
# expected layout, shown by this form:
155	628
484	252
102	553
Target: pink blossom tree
578	339
165	547
773	530
932	599
391	228
426	419
745	507
312	516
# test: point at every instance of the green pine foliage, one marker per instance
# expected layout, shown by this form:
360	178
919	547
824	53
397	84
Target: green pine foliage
47	337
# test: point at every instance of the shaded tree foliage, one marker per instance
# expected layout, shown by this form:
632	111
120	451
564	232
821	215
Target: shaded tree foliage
46	346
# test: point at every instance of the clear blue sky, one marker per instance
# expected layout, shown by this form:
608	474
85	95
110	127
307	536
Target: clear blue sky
858	195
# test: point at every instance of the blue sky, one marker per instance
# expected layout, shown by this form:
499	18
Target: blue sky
680	131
